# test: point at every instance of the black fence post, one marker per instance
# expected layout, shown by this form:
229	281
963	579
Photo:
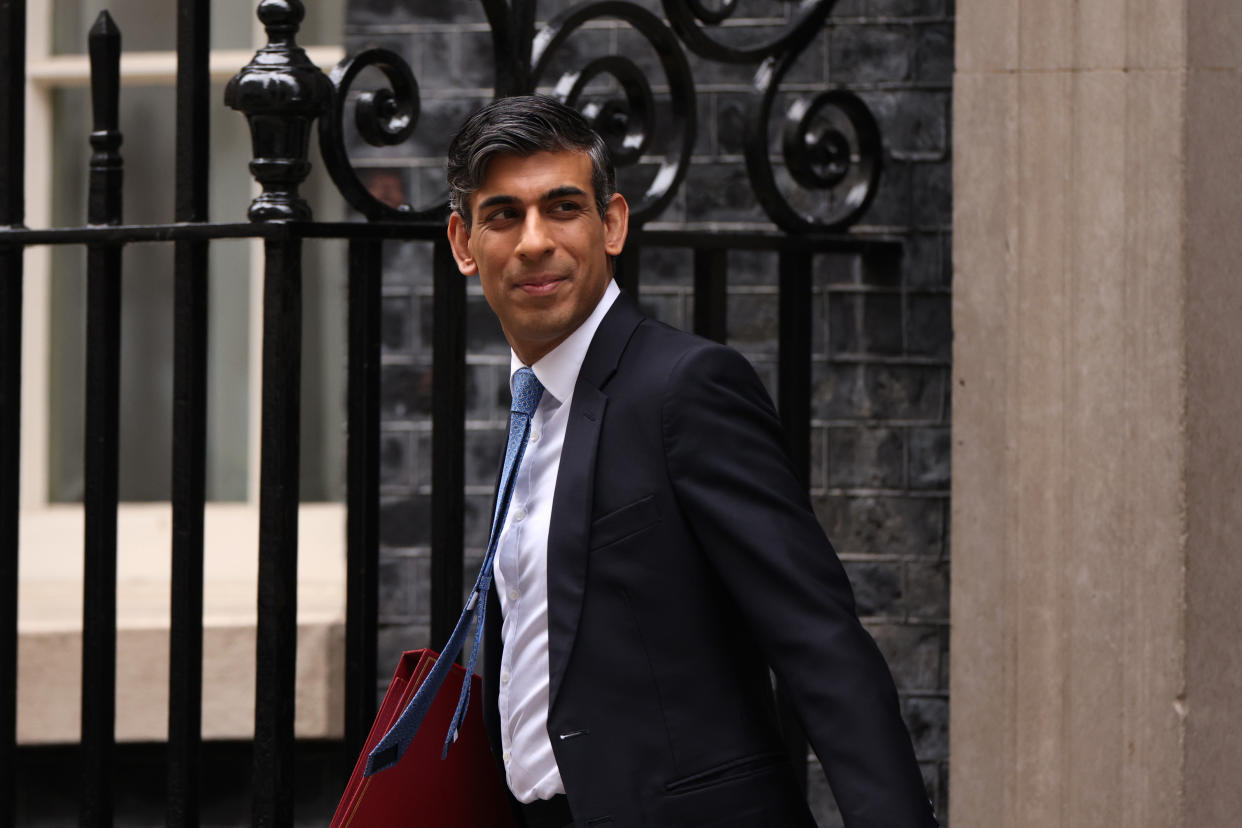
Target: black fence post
711	273
362	492
189	445
794	392
276	635
625	266
448	428
103	371
281	93
12	213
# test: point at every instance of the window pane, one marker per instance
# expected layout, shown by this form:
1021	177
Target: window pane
147	311
147	302
324	289
324	24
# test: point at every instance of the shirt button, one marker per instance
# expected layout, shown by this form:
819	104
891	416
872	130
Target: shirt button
519	514
513	595
534	436
507	756
504	677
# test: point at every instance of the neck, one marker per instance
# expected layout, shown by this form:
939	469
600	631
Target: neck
530	354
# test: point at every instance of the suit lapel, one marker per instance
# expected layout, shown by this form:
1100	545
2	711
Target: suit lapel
569	531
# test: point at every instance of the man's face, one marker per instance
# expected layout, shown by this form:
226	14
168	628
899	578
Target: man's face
539	246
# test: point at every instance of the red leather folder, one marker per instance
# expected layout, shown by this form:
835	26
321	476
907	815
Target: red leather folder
422	790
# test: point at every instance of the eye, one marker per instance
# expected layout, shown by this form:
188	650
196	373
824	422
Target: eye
566	207
500	214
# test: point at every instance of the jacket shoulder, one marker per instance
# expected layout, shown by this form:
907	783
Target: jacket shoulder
658	342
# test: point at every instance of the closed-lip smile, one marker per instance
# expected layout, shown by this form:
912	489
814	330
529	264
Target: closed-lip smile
538	285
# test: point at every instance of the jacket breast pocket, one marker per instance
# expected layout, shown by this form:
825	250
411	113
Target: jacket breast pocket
624	522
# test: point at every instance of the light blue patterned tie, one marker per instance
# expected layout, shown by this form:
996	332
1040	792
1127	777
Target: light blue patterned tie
527	392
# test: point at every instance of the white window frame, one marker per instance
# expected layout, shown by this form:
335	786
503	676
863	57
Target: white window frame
51	535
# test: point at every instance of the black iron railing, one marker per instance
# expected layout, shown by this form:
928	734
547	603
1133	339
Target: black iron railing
12	214
829	143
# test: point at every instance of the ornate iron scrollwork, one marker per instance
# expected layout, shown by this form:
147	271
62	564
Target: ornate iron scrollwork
384	117
690	17
830	145
627	124
828	148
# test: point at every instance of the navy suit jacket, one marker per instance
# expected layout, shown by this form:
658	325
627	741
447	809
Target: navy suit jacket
683	560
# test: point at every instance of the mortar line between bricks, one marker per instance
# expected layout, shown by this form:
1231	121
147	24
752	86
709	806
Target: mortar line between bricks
856	288
929	494
419	426
901	620
855	423
869	557
877	359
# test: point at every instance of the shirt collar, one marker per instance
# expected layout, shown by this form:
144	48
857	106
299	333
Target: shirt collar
558	370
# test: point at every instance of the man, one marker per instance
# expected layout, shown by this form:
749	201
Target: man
658	551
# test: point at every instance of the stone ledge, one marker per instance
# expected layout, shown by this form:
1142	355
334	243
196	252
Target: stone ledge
50	621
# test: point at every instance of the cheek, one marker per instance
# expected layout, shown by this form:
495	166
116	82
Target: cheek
478	251
488	262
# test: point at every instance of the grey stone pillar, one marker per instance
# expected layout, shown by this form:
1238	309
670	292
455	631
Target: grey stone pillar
1096	496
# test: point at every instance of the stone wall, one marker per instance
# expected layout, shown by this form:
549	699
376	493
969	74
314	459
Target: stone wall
882	335
1095	415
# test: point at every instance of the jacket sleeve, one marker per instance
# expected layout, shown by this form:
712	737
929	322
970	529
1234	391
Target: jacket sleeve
733	480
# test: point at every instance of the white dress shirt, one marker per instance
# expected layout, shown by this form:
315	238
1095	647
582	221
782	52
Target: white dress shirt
521	569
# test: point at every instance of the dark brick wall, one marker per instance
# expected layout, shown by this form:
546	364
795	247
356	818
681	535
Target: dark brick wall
880	440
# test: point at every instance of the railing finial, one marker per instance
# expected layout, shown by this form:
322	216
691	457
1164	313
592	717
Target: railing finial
279	15
281	93
107	168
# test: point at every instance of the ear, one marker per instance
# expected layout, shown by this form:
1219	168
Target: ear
616	224
459	240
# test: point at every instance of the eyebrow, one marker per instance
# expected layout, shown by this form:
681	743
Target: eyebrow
554	193
493	201
561	192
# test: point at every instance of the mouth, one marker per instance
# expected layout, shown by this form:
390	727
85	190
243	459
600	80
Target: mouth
541	285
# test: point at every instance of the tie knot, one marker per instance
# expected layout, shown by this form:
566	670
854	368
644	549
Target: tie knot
526	392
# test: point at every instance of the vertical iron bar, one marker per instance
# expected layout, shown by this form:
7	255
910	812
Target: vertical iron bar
189	445
362	484
794	390
103	369
276	649
12	212
626	266
522	14
10	482
711	271
448	429
281	92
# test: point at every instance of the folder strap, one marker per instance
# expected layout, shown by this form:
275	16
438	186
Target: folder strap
390	749
392	746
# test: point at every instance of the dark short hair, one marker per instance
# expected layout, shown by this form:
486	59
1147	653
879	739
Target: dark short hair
523	125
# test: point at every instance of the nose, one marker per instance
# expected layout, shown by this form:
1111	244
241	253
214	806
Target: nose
535	242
